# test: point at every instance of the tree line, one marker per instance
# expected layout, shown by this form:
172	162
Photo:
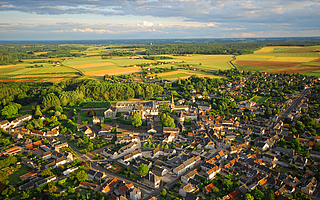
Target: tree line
72	92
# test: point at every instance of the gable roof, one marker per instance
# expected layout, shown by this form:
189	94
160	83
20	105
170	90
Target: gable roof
209	187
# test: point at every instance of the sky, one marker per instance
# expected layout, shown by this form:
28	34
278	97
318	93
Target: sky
157	19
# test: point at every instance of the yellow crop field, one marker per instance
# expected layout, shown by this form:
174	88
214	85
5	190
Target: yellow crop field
265	50
91	65
255	57
7	66
113	71
270	49
182	74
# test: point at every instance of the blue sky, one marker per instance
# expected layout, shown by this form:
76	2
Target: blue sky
153	19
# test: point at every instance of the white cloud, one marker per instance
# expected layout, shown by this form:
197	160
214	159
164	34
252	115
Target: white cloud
89	30
145	24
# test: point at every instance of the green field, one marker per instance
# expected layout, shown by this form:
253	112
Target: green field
175	76
259	99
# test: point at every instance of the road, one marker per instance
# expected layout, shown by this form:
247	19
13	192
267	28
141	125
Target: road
297	101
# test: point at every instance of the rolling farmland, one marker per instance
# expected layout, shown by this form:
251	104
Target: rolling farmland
275	59
281	59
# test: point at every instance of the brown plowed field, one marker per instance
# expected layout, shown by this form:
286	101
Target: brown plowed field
298	69
18	80
268	63
318	60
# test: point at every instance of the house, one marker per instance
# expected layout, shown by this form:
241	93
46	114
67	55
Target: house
52	133
186	189
208	188
12	151
152	180
233	194
20	121
301	161
181	169
262	146
110	186
283	151
28	175
95	120
185	178
212	172
190	196
68	171
135	194
111	112
310	187
159	170
4	124
91	173
98	176
87	185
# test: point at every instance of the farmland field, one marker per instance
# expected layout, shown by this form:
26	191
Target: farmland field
281	59
95	66
183	74
274	59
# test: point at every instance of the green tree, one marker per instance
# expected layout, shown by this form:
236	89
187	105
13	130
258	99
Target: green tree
167	121
143	169
85	138
300	126
29	127
38	112
164	108
46	172
300	196
63	117
82	175
51	188
136	119
10	110
163	192
25	195
248	197
257	194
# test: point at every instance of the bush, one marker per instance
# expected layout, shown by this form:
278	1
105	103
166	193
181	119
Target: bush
90	113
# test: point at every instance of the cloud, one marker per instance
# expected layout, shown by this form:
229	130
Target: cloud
179	18
89	30
145	24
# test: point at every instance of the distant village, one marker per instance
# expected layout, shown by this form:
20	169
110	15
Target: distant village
257	149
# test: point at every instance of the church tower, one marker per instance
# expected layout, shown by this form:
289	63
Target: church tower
172	103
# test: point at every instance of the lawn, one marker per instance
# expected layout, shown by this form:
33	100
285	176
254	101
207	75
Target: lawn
128	173
84	117
259	99
15	177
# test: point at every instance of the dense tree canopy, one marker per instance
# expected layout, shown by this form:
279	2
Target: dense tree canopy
143	169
